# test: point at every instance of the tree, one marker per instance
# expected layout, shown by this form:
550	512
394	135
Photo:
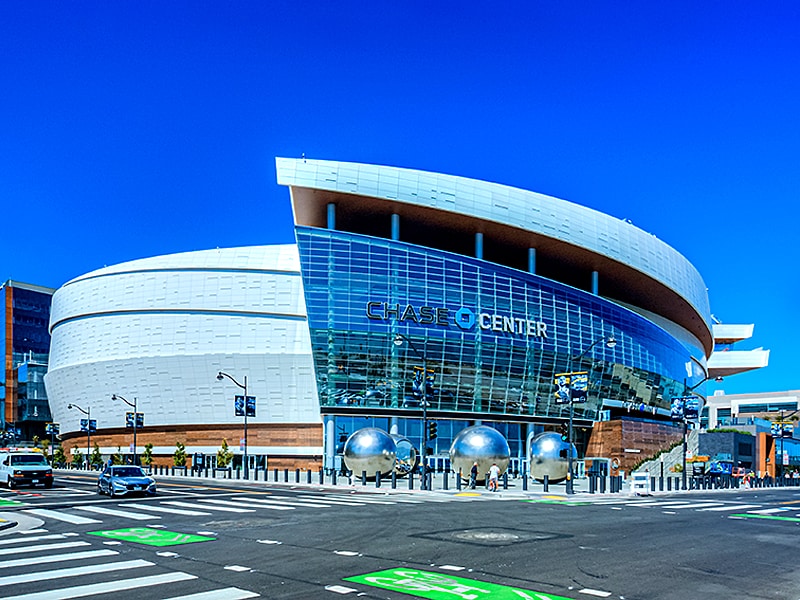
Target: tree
45	447
179	456
116	458
96	459
59	458
36	441
77	457
147	455
224	455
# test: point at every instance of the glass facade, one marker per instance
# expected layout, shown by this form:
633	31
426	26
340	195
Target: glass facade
491	338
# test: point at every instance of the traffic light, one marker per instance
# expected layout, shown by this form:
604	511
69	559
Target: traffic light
564	430
432	433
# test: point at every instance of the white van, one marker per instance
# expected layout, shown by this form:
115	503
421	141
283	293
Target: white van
25	468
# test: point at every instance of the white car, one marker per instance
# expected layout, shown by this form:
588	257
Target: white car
25	468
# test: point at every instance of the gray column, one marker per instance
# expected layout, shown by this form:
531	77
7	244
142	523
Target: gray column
331	215
396	227
478	245
394	428
532	260
330	441
595	283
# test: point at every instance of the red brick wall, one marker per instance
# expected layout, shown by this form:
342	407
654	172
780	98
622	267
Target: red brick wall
610	439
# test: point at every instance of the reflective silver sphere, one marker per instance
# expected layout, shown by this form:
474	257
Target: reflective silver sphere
406	455
371	450
480	444
548	456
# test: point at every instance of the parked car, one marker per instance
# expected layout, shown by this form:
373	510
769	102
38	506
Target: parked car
121	480
25	468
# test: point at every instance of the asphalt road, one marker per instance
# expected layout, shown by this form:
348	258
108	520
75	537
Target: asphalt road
307	542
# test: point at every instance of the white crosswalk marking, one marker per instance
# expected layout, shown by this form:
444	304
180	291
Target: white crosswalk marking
109	587
240	506
337	501
74	572
38	560
38	538
60	516
102	510
731	507
767	511
172	511
283	500
207	507
230	593
59	546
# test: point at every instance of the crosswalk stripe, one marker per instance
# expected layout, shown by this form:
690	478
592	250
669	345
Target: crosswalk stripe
74	572
51	536
230	593
24	562
360	499
7	551
113	512
275	500
238	505
337	501
109	587
730	507
699	505
174	511
60	516
206	507
767	511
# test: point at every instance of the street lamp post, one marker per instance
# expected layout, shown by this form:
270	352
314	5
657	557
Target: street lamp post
782	423
243	386
135	418
610	343
88	413
686	395
398	341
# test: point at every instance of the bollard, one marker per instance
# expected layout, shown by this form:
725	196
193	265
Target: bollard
275	475
286	476
444	480
592	484
458	480
333	477
394	479
546	484
505	480
602	484
321	476
363	478
524	481
377	479
411	480
297	475
308	477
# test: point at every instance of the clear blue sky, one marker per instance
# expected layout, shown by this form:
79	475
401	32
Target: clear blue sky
133	129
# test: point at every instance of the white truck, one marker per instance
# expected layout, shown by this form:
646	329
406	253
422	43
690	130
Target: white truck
25	468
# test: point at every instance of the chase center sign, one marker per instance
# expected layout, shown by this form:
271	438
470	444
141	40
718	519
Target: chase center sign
464	318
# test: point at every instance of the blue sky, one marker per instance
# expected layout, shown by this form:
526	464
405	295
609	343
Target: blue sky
133	129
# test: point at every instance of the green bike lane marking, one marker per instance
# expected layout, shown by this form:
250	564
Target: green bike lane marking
4	502
152	537
768	517
436	586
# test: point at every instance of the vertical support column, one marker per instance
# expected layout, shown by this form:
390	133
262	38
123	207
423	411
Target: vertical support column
532	260
331	215
479	245
330	442
396	227
595	283
394	426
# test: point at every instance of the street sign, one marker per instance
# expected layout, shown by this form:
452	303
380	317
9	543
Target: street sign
52	429
129	420
91	426
572	386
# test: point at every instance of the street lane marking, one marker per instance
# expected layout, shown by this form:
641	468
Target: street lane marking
272	503
172	511
7	551
114	512
451	568
110	587
230	593
60	516
219	508
242	506
339	589
767	511
24	562
74	572
730	507
337	501
770	517
38	538
345	552
237	568
591	592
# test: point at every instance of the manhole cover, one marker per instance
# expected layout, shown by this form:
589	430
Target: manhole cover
492	536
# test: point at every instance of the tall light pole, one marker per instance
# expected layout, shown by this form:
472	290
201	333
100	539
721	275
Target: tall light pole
610	343
220	376
398	341
135	419
686	396
88	413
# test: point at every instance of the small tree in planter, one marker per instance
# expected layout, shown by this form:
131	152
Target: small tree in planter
96	460
77	458
179	456
147	455
224	455
59	458
116	458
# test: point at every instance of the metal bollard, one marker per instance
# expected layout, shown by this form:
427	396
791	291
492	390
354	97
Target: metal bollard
363	478
592	484
286	476
377	479
297	475
458	480
411	481
602	484
444	480
321	476
308	477
275	475
333	476
505	480
546	484
524	481
394	479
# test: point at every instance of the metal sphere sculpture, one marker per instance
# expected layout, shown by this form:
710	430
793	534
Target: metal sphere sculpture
480	444
371	450
548	456
406	455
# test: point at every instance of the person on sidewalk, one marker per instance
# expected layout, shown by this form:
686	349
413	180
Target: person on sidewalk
473	475
494	475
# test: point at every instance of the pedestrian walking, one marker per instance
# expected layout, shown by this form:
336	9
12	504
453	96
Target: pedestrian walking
494	474
473	475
